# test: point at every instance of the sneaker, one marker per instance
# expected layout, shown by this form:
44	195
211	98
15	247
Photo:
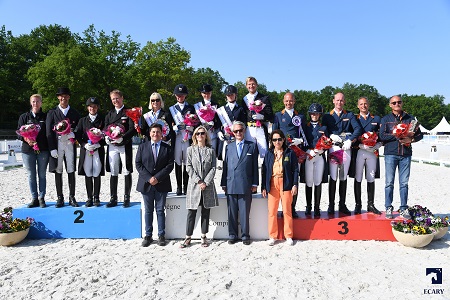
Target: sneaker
405	214
271	242
389	212
290	242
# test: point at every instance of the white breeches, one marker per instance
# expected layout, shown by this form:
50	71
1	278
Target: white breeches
314	170
180	149
341	169
256	135
117	156
65	149
92	164
366	159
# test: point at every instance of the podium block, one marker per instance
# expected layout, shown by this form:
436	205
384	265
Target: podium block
83	222
366	226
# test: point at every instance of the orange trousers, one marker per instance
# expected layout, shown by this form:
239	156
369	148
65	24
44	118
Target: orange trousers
276	193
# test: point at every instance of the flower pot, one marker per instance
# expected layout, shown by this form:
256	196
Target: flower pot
12	238
440	232
415	241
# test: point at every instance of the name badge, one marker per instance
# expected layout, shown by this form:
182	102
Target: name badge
345	119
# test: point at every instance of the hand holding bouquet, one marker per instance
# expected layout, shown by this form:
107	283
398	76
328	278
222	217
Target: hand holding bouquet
30	132
94	135
402	131
190	120
256	107
63	129
135	114
114	132
301	155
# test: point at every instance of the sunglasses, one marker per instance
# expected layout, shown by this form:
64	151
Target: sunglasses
155	100
396	102
200	133
277	140
238	130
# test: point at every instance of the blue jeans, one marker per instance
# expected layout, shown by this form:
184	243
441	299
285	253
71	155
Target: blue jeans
30	160
403	163
154	200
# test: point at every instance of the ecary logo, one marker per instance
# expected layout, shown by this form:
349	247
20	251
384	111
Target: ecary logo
435	274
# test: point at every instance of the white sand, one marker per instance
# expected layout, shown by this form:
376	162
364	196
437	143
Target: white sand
122	269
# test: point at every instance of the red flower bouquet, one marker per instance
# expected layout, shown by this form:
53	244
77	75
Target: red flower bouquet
207	112
94	135
135	114
228	131
114	131
190	120
30	132
301	155
402	130
324	143
63	128
369	138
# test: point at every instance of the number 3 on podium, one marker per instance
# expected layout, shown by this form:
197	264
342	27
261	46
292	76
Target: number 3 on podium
344	226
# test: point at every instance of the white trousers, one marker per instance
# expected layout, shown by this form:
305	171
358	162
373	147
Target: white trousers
65	149
342	170
366	159
257	135
180	149
92	165
314	170
117	156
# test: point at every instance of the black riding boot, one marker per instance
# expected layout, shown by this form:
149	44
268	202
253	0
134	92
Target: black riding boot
371	197
185	180
71	179
308	194
97	184
342	197
294	203
357	189
128	182
178	176
114	180
331	195
59	190
89	190
317	196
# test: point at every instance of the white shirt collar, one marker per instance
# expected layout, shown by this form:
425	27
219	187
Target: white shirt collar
92	117
64	110
118	110
231	105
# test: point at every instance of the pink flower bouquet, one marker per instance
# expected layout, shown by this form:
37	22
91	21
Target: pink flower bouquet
95	135
190	120
337	157
257	106
114	131
165	127
207	112
30	132
63	128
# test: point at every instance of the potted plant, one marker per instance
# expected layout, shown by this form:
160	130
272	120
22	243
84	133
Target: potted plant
440	225
13	231
411	233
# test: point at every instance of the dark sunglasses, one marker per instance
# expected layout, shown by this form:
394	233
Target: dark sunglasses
155	100
277	140
200	133
238	130
396	102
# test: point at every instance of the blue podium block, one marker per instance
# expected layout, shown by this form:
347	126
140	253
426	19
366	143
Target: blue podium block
83	222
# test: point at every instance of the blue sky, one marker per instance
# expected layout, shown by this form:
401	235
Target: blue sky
396	46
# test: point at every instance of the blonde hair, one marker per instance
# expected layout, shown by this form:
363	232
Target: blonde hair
207	140
251	78
116	92
37	96
159	97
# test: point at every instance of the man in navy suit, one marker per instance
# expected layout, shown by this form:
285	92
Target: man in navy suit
154	162
240	179
62	149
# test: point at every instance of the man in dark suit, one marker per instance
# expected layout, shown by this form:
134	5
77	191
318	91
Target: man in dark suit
292	123
154	162
119	156
62	148
240	179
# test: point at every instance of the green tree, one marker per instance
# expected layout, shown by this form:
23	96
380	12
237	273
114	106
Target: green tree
428	110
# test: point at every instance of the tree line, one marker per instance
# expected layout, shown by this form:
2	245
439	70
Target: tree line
93	63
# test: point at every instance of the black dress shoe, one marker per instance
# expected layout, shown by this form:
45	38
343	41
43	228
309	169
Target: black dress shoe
179	192
147	241
232	241
126	201
295	215
96	201
308	211
89	202
161	240
185	190
330	210
373	209
358	210
73	202
317	213
246	242
59	202
344	210
42	202
33	203
111	203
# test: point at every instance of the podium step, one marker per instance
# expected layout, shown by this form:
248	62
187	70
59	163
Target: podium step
83	222
366	226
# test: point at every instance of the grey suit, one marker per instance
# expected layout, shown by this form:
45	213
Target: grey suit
238	176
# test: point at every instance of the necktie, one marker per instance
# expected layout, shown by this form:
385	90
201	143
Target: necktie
155	151
239	149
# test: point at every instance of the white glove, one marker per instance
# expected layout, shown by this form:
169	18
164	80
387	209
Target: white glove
108	140
221	136
210	123
335	138
377	146
117	141
312	153
318	151
258	117
54	153
347	145
71	135
190	128
88	147
297	141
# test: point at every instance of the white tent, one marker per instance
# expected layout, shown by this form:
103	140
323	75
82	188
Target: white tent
442	127
423	129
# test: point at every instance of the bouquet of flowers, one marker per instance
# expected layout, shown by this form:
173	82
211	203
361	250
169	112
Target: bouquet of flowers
301	155
228	131
402	130
165	127
207	112
256	106
190	120
95	135
30	132
114	131
135	114
369	138
63	128
8	224
337	157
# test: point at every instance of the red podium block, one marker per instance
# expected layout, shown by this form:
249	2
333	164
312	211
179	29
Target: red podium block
366	226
